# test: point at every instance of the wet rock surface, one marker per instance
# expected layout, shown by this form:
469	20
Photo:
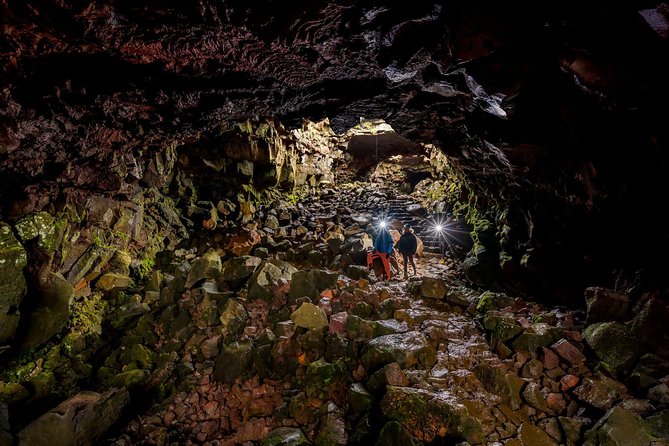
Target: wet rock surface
348	360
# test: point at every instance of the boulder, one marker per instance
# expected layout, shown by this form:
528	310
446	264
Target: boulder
13	259
360	329
620	427
359	399
600	391
206	267
234	361
356	272
461	296
236	270
389	375
648	371
233	318
536	336
658	425
393	434
310	283
502	326
286	436
113	282
431	416
493	301
54	312
568	352
272	222
531	435
497	379
613	345
433	288
335	240
309	316
650	326
263	282
605	305
332	431
80	420
407	349
659	394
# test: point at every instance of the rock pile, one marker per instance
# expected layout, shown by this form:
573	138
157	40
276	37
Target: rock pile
294	342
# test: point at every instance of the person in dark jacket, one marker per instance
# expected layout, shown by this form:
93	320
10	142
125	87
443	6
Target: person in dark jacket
407	245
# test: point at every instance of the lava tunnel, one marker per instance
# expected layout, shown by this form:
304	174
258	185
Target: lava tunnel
333	223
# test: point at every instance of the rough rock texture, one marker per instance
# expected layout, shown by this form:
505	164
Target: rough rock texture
80	420
99	95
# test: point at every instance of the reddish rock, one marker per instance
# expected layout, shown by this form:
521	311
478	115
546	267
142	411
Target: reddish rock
338	322
261	407
568	352
556	402
169	417
573	335
550	359
568	382
210	408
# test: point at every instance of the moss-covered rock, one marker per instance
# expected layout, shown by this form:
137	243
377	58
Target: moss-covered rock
393	434
80	420
262	282
42	226
131	379
433	288
309	316
233	318
613	345
50	318
531	435
332	431
493	301
321	374
112	282
236	270
360	329
430	415
13	259
407	349
499	380
12	392
285	436
310	283
537	336
234	361
620	427
208	266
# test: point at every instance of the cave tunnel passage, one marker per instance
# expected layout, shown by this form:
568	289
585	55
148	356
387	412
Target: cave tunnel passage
234	288
190	194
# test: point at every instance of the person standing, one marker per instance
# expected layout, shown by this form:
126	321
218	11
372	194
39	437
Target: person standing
407	245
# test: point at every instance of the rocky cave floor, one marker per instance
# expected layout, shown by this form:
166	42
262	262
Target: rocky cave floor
256	335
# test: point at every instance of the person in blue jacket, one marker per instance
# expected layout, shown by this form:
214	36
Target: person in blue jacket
384	241
384	245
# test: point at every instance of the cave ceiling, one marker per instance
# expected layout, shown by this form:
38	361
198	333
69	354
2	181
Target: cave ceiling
522	94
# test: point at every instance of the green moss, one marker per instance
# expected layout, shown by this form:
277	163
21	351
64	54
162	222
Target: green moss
485	302
145	267
86	316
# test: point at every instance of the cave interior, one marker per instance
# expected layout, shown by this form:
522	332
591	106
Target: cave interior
192	196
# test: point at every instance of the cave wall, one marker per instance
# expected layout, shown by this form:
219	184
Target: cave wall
552	117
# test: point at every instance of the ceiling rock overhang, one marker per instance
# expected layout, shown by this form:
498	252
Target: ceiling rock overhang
562	105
